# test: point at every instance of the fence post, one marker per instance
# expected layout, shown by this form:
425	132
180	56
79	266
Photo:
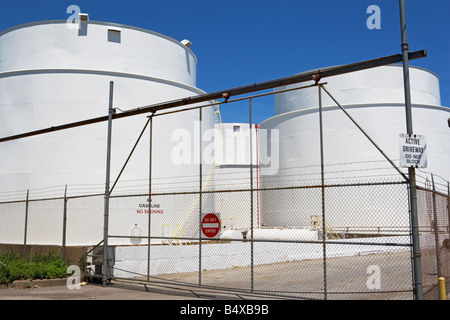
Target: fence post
251	199
322	177
436	230
107	189
200	201
26	226
417	269
448	207
64	225
149	197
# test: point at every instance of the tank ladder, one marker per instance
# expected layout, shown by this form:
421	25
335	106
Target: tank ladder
316	223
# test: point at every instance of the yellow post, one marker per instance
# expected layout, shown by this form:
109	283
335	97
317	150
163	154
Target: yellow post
442	292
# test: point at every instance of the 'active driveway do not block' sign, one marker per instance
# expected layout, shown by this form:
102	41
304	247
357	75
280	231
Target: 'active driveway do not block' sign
413	151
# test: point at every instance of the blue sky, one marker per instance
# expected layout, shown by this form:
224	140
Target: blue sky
239	42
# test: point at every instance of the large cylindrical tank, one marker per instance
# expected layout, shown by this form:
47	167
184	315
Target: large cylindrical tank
52	74
374	98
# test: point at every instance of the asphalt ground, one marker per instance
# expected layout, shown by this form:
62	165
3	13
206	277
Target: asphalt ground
133	298
123	290
179	302
297	279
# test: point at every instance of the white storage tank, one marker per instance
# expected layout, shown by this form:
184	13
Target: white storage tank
375	99
51	75
233	173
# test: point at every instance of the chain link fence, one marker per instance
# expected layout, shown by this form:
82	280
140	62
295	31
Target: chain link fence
434	215
296	234
338	251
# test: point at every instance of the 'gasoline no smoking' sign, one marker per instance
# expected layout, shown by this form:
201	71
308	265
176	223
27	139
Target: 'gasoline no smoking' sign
210	225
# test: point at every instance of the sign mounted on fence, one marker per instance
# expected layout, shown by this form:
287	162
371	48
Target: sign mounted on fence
413	151
210	225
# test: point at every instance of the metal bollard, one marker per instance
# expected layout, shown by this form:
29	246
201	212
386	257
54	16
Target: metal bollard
442	292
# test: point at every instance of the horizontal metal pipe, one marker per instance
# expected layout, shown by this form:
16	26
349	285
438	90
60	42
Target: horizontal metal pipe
302	77
238	99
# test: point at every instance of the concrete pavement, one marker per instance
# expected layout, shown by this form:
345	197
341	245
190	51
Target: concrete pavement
119	290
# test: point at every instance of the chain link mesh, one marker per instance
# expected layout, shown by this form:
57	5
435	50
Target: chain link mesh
297	248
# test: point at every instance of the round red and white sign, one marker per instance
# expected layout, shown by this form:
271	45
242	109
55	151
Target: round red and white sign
210	225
